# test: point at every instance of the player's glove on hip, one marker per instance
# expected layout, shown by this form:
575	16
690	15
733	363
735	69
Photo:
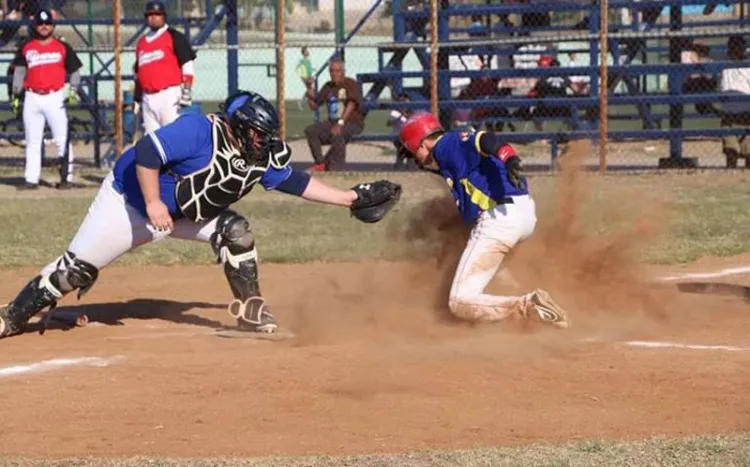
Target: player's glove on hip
375	200
15	106
72	99
186	99
515	171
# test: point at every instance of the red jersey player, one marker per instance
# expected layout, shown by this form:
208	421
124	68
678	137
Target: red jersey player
164	70
41	65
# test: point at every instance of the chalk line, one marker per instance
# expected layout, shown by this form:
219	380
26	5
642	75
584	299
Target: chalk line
707	275
676	345
55	364
669	345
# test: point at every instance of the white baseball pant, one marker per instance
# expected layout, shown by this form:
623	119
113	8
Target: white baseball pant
161	108
496	232
38	109
112	228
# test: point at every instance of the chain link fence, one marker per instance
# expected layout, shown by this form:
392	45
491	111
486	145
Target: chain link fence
673	91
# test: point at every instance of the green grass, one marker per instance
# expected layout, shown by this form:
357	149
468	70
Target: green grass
705	451
709	215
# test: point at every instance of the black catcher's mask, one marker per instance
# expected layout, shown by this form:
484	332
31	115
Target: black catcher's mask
246	110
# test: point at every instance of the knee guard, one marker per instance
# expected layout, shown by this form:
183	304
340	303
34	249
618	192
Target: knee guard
74	274
45	290
234	245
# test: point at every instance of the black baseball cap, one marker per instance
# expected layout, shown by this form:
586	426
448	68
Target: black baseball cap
155	7
43	17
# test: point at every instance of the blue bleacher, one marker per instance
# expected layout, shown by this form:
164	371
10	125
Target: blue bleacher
628	99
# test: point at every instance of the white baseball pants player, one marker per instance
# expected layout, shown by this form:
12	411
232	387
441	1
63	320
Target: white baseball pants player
161	108
496	232
38	109
112	228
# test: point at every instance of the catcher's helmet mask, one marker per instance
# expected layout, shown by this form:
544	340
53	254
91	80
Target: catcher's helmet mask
249	113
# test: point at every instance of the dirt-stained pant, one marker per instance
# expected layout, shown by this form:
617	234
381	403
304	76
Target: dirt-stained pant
497	231
319	134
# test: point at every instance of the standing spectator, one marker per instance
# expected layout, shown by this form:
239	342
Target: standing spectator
40	66
305	72
736	114
164	70
343	99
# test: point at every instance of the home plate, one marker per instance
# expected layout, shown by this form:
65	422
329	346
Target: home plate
233	333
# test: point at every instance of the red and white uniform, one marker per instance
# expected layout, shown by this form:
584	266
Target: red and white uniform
46	68
164	62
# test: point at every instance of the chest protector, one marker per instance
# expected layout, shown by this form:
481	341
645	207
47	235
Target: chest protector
204	194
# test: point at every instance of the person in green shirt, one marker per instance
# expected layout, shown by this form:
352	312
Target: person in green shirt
305	72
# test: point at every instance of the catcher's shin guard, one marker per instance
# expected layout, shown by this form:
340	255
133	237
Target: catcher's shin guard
45	290
234	244
35	297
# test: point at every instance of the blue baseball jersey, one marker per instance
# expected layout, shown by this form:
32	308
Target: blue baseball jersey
479	181
184	146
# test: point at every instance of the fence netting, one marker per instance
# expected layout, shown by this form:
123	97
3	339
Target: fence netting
672	93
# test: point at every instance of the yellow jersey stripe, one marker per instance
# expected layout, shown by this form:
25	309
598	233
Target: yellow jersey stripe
476	144
477	196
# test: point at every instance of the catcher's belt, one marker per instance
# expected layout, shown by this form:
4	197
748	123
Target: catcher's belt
204	194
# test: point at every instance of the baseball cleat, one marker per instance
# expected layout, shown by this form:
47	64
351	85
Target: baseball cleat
541	307
253	315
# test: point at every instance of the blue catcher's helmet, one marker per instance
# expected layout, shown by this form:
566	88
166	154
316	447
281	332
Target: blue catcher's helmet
246	110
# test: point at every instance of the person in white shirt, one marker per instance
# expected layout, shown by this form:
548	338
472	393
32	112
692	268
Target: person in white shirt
736	114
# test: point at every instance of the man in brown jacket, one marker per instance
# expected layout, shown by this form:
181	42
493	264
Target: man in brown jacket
343	100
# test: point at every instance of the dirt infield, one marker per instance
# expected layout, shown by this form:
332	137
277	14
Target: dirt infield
374	369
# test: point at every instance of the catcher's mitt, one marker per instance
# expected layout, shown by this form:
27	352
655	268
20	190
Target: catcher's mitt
374	200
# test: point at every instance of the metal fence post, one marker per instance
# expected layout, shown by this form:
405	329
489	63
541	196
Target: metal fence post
280	67
603	87
118	77
434	57
340	28
232	41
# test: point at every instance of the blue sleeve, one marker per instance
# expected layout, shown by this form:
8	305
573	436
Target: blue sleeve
296	184
182	139
275	177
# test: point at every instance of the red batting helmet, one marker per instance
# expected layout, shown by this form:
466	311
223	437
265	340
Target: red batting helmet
417	128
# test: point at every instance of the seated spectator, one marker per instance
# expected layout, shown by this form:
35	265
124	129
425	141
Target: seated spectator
343	100
697	83
736	114
580	84
550	86
485	88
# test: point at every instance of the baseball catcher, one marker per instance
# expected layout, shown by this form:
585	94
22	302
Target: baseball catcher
485	177
180	181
